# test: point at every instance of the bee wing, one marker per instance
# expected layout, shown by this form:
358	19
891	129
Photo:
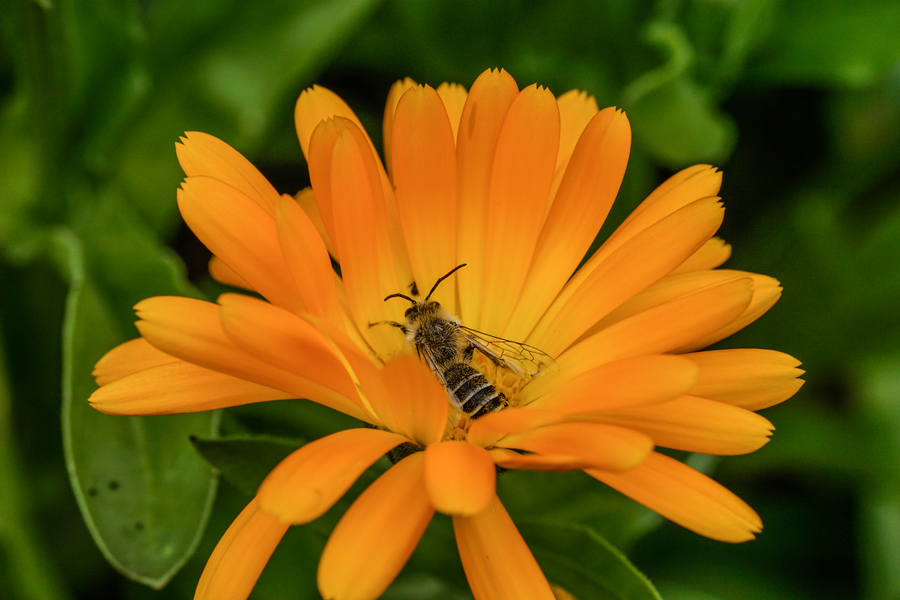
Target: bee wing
522	359
427	356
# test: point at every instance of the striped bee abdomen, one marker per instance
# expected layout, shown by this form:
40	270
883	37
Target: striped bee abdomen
474	393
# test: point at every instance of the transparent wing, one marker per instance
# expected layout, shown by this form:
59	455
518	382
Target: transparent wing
521	359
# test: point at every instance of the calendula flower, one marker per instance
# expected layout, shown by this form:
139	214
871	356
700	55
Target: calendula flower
515	184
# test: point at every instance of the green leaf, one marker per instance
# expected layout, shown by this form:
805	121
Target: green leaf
584	563
144	493
31	573
226	68
246	460
852	44
672	116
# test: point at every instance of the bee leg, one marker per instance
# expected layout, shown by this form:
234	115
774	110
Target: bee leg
399	326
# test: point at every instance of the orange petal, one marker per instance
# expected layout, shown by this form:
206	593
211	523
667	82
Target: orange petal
766	292
284	340
376	535
520	185
690	185
394	94
597	445
634	381
748	377
453	97
315	105
634	266
654	331
711	255
222	273
192	331
576	109
178	387
415	404
310	480
682	188
127	359
585	196
307	201
201	154
486	430
240	555
460	477
424	162
309	263
557	463
486	107
242	234
498	563
691	499
360	232
694	425
672	286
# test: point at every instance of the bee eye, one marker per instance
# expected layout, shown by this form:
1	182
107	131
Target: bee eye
409	310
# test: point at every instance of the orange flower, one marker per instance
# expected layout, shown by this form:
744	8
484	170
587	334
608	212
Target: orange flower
516	185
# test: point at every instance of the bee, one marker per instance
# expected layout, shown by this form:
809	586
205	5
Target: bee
448	348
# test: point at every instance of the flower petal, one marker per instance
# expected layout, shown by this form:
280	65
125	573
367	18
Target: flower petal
315	105
360	229
222	273
285	341
557	463
242	234
376	535
178	387
520	186
634	266
424	161
655	331
201	154
498	563
453	97
192	331
634	381
585	196
691	499
748	377
310	480
460	477
766	292
415	404
712	254
486	430
393	98
673	286
486	107
240	556
307	201
686	187
127	359
694	425
309	263
597	445
576	110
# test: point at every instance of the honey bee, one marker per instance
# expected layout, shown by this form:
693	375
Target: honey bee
448	348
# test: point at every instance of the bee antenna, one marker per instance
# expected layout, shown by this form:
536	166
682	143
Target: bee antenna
436	283
386	298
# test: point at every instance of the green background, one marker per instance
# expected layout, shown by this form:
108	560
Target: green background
797	101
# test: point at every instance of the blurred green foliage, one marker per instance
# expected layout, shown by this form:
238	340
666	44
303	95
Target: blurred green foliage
798	102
